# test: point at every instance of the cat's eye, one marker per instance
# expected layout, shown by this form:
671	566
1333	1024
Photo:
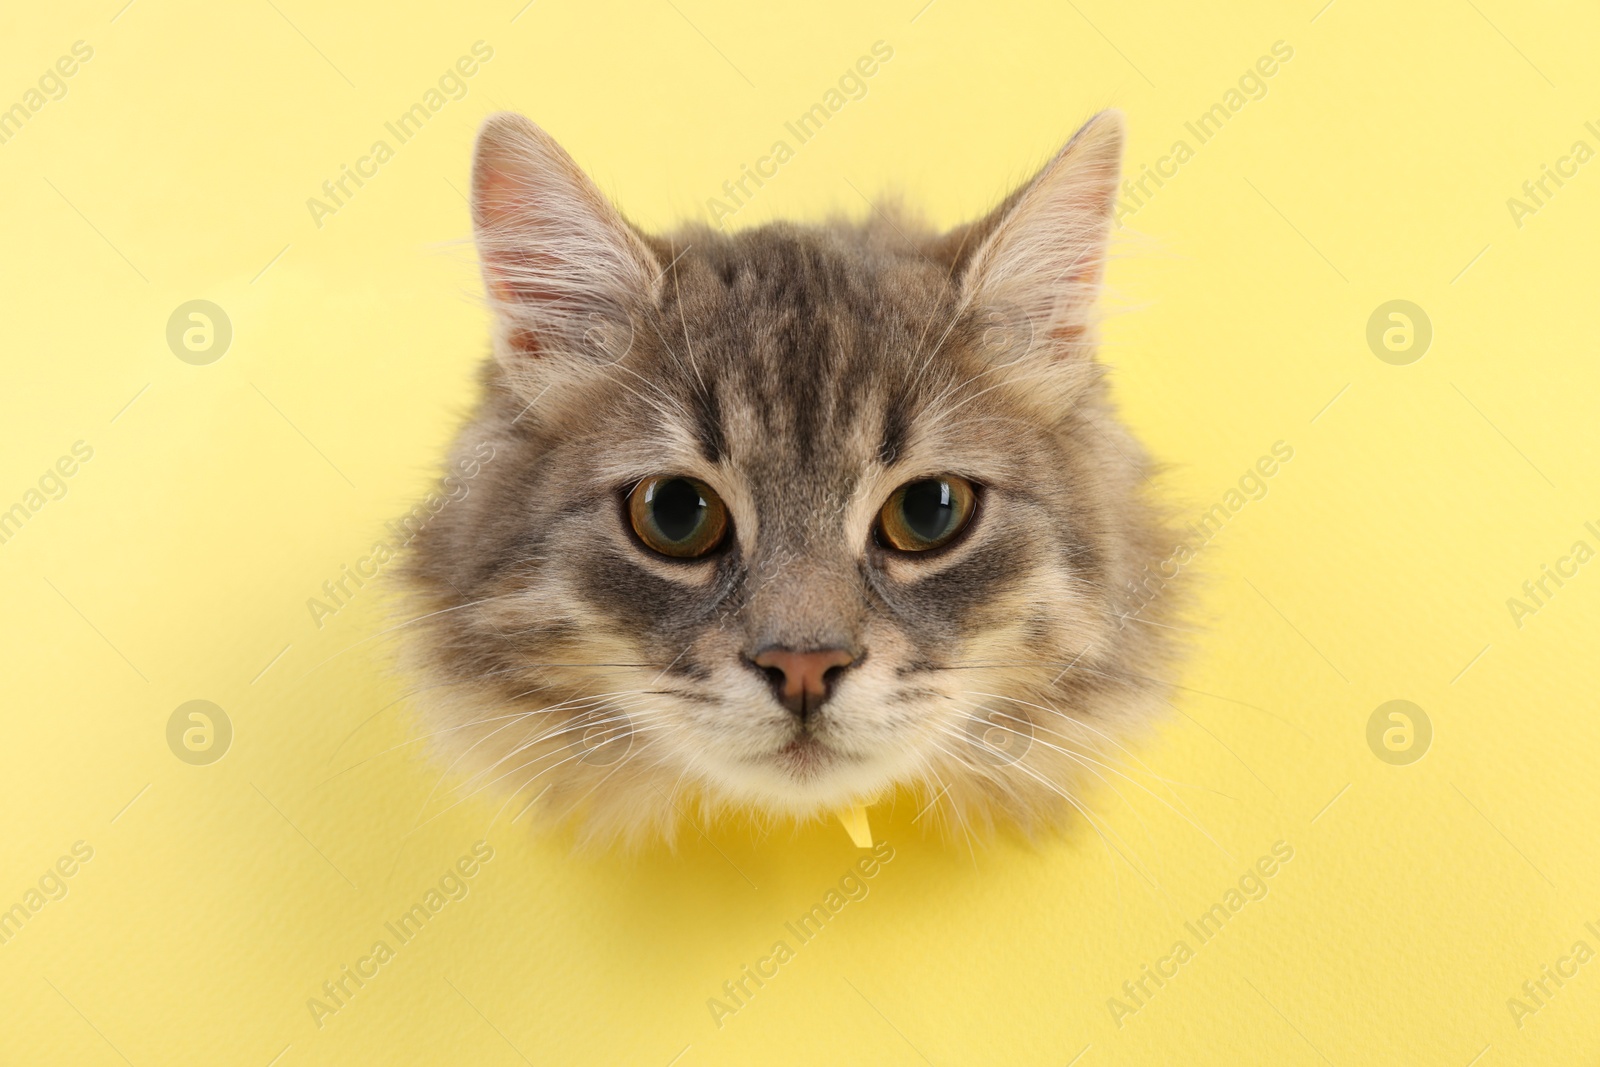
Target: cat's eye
926	514
677	516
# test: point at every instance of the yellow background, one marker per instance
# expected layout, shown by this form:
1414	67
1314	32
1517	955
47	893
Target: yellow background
1378	567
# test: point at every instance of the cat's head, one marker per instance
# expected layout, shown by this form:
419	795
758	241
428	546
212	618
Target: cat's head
787	518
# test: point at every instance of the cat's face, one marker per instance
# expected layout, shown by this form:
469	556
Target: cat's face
789	518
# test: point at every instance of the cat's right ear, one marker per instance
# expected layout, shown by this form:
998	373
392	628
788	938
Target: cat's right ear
564	271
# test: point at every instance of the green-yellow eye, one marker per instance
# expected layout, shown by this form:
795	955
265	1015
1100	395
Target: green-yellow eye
926	514
677	516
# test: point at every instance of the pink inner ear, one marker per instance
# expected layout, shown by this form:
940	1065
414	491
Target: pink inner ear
509	276
495	195
509	279
554	252
501	201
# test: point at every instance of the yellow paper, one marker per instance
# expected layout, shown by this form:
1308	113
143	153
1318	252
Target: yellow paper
189	558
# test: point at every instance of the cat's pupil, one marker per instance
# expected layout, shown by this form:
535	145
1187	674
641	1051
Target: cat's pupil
677	509
928	508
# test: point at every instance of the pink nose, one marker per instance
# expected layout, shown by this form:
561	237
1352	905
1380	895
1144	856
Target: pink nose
803	681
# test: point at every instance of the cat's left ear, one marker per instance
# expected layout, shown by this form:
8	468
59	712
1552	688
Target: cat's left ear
1041	255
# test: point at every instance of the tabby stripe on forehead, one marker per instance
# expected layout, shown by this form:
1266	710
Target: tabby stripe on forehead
708	423
894	432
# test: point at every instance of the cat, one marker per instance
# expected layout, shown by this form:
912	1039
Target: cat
788	519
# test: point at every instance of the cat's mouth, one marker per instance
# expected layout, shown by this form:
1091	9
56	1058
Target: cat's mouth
805	756
806	771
